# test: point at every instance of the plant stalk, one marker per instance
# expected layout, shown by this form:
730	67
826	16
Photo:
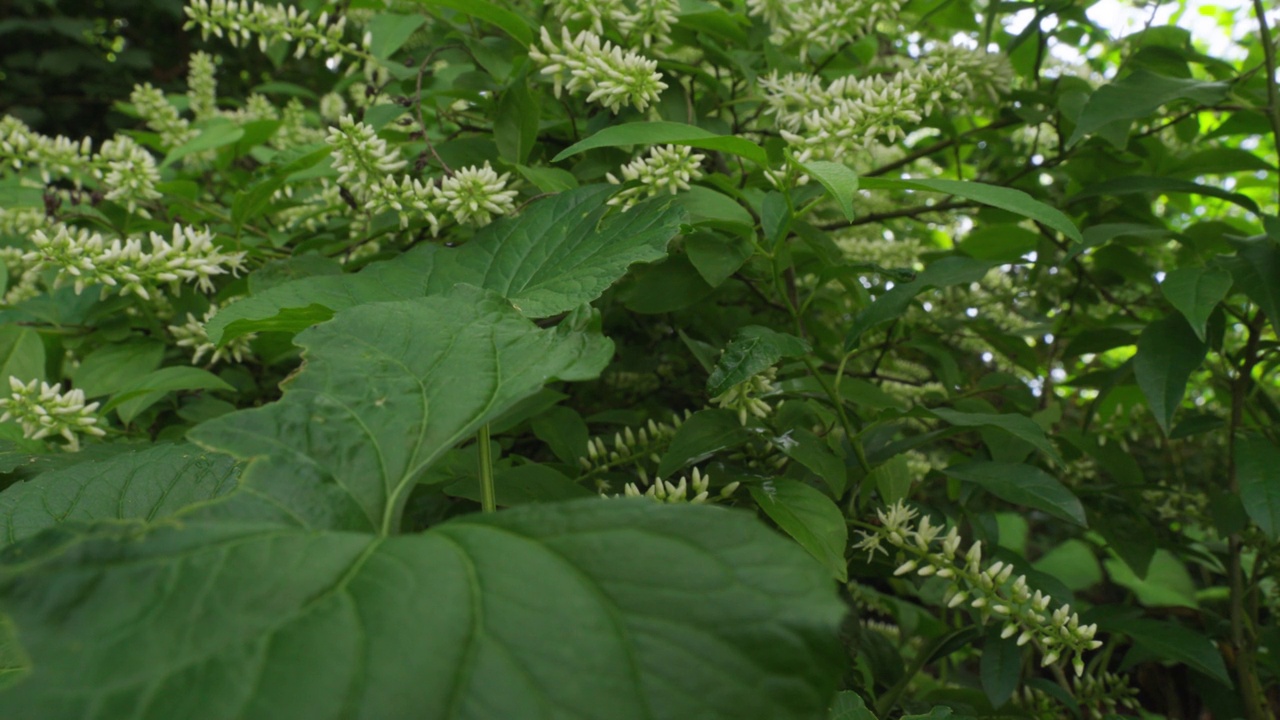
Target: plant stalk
488	496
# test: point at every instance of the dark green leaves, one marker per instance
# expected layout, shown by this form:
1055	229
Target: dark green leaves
668	133
952	270
386	389
1020	426
1258	469
808	516
1001	666
1168	352
589	609
555	256
841	182
1173	642
1023	485
1138	95
752	350
1014	201
1195	292
704	433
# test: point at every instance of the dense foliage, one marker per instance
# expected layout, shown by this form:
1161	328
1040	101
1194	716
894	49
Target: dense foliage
621	358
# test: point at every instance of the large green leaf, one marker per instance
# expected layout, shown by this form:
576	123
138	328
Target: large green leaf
810	517
1258	466
553	257
752	349
840	181
1168	352
509	22
704	433
951	270
1023	485
387	388
146	484
1001	666
667	133
1138	95
1256	270
1173	642
1020	426
1195	292
592	609
21	355
1013	200
1141	185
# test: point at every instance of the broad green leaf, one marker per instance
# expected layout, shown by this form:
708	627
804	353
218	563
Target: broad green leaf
951	270
507	21
1168	352
1256	269
1073	563
564	431
589	609
1195	292
892	479
808	516
753	349
1258	467
1001	666
704	433
1015	201
848	705
1166	583
717	256
388	32
548	179
1023	485
144	392
521	485
21	356
811	451
1020	426
667	133
1176	643
1140	94
1142	185
553	257
386	388
147	485
213	136
114	367
1000	243
515	129
841	182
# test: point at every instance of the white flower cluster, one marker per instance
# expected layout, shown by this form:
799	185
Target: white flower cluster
665	491
202	85
242	21
823	24
991	590
366	166
43	411
746	396
161	116
958	78
89	259
191	334
24	277
609	75
632	447
666	169
647	23
124	168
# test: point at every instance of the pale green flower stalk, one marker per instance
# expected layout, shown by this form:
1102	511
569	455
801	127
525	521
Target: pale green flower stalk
85	257
241	22
191	334
161	116
43	411
991	590
475	195
666	169
610	76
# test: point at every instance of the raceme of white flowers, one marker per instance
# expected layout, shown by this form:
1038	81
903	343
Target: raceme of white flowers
822	24
242	21
665	491
366	167
666	169
161	116
43	412
608	74
991	590
85	257
746	396
191	334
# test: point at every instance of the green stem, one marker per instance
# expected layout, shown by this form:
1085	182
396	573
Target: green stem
488	496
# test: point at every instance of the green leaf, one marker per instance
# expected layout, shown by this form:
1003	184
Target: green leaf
1023	485
950	270
553	257
213	136
1020	426
521	485
144	392
1000	243
584	609
1256	270
505	20
1195	292
385	389
389	32
848	705
1173	642
548	179
811	451
1142	185
667	133
753	349
147	485
21	355
563	430
1168	352
841	182
1167	583
892	479
515	128
1001	666
1140	94
703	434
111	368
717	257
1015	201
808	516
1258	466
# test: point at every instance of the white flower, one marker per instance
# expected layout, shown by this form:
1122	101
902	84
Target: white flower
824	24
43	411
360	156
243	22
202	85
609	75
192	334
161	116
474	195
666	169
